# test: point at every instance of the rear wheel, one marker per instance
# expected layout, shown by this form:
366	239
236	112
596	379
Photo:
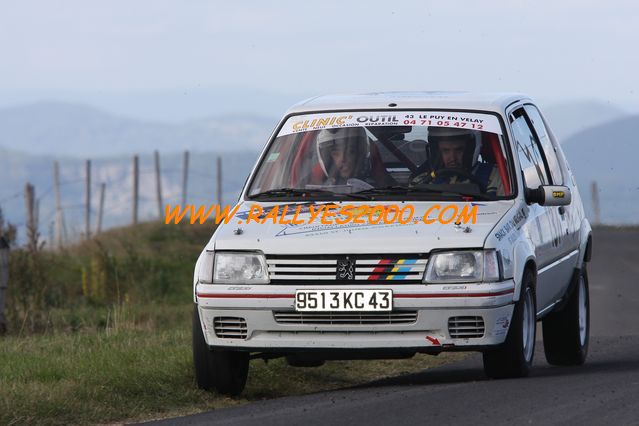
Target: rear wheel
514	357
566	333
216	369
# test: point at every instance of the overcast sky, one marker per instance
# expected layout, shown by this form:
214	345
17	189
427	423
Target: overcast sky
92	51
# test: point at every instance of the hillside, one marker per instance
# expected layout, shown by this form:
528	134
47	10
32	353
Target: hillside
570	118
61	129
608	154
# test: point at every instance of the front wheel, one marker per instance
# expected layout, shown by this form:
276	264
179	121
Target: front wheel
216	369
514	357
567	332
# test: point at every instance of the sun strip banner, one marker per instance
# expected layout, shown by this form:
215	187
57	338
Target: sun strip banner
336	120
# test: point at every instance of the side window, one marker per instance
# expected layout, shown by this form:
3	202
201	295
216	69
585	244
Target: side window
527	148
546	144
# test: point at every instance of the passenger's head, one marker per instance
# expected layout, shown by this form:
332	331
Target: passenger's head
343	153
453	148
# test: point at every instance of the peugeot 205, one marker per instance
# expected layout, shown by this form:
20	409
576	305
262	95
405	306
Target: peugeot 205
404	223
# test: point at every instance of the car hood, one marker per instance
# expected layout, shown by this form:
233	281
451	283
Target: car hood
317	238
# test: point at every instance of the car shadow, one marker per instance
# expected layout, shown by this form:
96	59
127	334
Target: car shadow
470	369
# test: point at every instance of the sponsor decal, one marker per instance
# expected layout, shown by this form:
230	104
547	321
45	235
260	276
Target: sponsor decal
319	229
398	272
283	210
514	223
461	120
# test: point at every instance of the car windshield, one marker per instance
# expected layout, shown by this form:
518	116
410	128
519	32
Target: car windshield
394	155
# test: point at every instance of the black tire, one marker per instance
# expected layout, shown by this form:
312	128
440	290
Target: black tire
514	357
567	332
216	369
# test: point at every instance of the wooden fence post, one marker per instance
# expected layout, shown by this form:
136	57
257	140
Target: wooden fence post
158	183
87	201
136	183
4	281
98	229
58	205
594	191
185	176
32	225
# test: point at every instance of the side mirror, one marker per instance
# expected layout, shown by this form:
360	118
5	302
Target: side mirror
549	195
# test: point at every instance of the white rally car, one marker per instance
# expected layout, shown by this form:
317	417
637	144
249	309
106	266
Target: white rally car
430	280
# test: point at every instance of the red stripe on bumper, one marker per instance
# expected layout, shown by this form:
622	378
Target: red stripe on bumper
432	295
246	296
401	296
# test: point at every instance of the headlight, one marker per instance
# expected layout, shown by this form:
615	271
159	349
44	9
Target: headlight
240	268
462	267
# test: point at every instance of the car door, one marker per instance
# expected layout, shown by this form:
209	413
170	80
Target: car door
567	242
544	226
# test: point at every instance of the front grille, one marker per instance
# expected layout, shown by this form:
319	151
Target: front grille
230	327
345	318
366	269
466	327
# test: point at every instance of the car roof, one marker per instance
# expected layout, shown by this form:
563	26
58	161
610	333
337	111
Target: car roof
496	102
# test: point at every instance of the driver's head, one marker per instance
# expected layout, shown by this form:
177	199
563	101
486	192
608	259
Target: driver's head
453	148
344	157
343	153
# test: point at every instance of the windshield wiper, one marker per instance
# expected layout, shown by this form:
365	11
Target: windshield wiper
397	189
474	195
292	192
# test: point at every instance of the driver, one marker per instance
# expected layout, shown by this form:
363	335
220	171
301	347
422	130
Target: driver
344	155
454	153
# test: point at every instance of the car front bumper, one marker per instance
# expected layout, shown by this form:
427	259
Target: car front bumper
434	318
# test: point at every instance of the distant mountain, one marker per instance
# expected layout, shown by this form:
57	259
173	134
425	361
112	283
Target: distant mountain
167	106
62	129
609	155
569	118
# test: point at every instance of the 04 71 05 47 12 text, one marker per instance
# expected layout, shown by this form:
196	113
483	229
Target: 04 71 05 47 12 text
324	214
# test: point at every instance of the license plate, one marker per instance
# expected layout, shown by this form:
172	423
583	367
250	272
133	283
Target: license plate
343	300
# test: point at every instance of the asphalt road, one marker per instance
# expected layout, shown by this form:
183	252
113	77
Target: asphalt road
604	390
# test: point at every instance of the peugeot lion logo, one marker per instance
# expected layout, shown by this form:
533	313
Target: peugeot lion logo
345	269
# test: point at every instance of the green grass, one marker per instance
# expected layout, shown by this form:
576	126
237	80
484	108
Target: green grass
101	332
70	290
141	370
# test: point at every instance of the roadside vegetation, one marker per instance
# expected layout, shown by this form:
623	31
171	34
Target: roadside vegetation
101	332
